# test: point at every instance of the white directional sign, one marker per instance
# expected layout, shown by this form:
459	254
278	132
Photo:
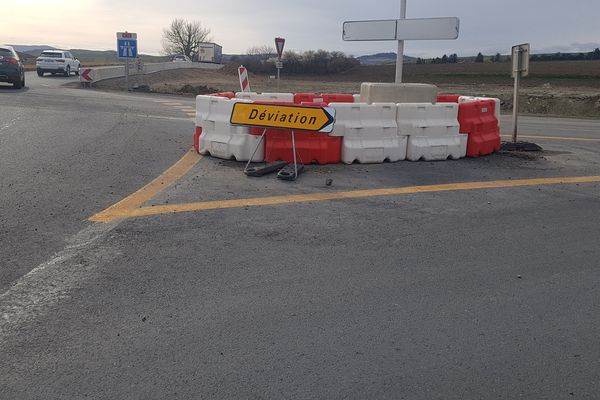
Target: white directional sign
402	29
370	30
520	58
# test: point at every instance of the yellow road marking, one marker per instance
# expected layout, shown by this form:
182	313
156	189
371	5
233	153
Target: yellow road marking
577	139
131	212
151	190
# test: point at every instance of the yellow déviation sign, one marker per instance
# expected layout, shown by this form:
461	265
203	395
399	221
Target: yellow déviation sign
314	119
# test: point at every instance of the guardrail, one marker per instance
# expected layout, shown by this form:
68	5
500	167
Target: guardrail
89	76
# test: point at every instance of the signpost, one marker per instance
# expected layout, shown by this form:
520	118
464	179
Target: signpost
127	49
312	119
520	59
402	29
244	81
279	44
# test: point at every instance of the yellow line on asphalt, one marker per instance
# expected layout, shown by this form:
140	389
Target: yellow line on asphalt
356	194
151	190
576	139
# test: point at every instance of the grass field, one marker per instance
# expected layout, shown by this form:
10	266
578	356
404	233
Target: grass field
558	73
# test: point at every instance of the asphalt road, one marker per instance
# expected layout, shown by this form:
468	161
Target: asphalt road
462	294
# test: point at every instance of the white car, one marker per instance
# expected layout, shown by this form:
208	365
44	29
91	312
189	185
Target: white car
181	58
57	62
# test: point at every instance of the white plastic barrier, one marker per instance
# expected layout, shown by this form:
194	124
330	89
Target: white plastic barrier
463	99
370	132
432	131
221	139
167	66
436	148
282	97
397	93
118	71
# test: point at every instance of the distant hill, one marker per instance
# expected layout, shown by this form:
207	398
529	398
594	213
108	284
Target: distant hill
33	50
383	58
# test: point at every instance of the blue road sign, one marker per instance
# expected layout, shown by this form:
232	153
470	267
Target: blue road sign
127	48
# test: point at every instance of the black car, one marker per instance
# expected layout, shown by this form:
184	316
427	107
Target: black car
11	67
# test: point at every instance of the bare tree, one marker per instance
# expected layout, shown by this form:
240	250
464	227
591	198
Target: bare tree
183	37
263	52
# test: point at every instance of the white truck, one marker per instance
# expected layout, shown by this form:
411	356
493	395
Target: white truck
210	52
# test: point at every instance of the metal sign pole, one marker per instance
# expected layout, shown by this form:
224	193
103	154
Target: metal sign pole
127	73
295	160
400	56
516	105
278	76
520	67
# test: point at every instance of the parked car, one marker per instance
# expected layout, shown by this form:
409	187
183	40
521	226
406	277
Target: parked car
181	58
57	61
11	67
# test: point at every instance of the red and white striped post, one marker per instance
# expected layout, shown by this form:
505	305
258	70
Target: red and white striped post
244	82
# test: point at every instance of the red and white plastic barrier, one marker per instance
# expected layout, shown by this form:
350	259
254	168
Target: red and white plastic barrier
479	118
364	133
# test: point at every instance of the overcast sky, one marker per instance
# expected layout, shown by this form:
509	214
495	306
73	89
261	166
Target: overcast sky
486	26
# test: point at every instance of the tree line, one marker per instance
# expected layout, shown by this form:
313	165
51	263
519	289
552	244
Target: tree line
309	62
445	59
480	58
592	55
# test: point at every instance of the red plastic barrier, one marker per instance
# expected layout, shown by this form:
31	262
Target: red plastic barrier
229	95
311	147
197	139
448	98
300	98
478	120
314	104
337	98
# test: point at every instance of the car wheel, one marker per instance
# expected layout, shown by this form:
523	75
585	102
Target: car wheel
18	84
77	72
68	70
23	80
40	73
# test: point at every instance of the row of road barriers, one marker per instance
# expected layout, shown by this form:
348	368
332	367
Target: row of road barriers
91	75
364	133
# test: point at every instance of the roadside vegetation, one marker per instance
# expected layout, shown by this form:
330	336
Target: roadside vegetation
262	60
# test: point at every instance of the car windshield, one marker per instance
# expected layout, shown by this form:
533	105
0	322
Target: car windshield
51	54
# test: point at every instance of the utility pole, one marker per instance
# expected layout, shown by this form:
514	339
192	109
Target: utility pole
400	55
